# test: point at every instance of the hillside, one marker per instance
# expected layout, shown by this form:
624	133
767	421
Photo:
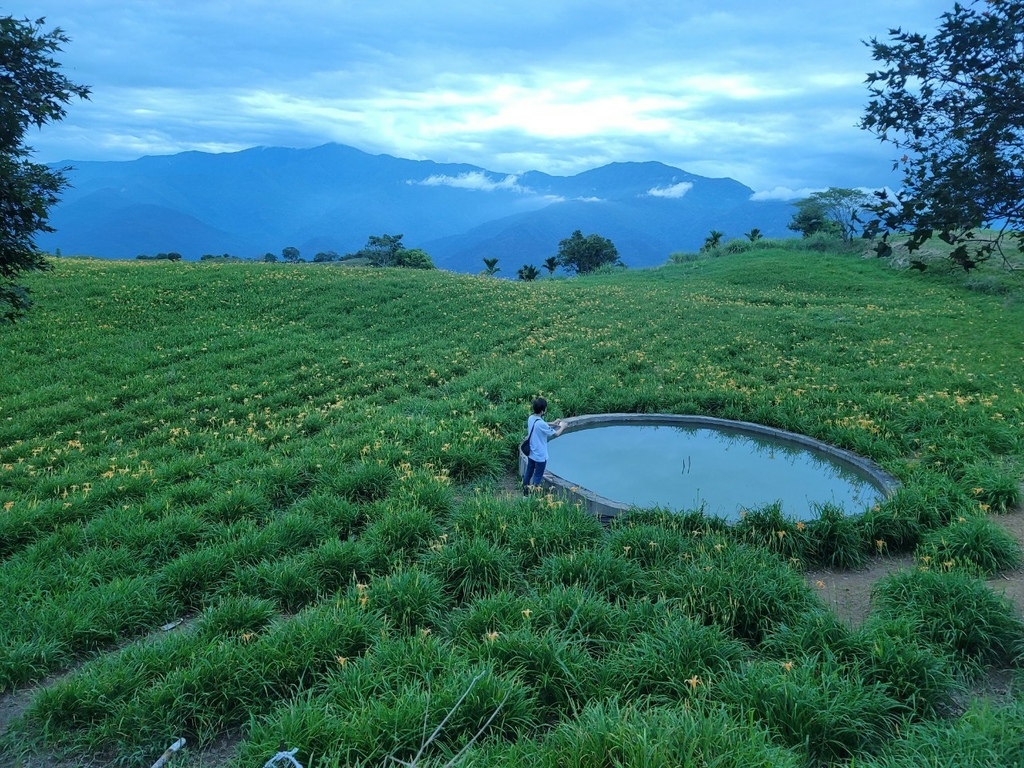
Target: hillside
261	504
331	198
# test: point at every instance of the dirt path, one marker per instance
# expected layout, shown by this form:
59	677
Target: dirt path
848	593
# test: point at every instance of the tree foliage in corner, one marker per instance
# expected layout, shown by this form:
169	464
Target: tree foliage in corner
579	254
954	103
32	92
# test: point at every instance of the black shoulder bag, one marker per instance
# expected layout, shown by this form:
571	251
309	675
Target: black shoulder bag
525	445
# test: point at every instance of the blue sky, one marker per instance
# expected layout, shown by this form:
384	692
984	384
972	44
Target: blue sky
769	94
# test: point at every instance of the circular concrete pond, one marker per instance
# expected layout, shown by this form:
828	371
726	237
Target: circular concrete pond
615	462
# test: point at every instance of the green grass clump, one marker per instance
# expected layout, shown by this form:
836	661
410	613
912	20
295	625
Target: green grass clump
956	612
408	600
975	543
620	733
985	736
812	707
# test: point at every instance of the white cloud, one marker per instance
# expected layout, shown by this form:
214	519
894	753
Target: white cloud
784	193
673	192
473	180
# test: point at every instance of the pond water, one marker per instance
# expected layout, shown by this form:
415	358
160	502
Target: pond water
722	470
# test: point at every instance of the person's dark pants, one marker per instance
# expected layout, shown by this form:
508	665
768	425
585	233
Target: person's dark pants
534	474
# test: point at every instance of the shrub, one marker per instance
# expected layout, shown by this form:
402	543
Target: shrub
363	482
408	599
954	611
558	671
236	615
609	733
813	707
837	541
985	736
768	527
540	531
336	564
399	534
996	490
975	544
503	611
424	489
897	527
471	567
744	590
578	614
669	662
597	570
914	673
290	582
647	545
240	502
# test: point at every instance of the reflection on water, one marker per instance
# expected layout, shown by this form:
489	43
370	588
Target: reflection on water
722	471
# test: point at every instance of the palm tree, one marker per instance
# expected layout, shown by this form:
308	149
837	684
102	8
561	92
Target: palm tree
528	272
551	264
753	235
713	240
492	267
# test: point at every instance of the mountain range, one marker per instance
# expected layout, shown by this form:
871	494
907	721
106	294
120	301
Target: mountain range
333	197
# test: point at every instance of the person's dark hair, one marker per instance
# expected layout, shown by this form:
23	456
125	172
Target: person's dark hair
540	405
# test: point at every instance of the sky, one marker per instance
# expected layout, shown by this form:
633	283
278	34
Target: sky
767	93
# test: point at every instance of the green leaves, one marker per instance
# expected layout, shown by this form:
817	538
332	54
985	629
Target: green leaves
32	92
952	104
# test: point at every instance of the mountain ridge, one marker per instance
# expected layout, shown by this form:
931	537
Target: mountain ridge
333	197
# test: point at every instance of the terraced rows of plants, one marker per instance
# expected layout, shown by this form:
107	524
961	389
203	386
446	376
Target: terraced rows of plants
303	466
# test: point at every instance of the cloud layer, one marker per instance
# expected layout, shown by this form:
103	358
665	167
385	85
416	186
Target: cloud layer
766	95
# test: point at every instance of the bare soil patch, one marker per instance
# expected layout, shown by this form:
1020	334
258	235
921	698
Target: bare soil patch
848	593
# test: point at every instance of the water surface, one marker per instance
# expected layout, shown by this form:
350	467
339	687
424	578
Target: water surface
724	471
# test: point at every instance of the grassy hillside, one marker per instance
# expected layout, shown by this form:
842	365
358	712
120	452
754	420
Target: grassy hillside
304	466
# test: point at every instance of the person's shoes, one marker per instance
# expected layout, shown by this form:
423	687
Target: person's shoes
526	491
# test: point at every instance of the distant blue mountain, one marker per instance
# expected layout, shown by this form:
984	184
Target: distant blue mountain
331	198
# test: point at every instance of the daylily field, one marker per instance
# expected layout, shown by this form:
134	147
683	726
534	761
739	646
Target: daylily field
256	505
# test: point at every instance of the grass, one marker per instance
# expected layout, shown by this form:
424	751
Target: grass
304	465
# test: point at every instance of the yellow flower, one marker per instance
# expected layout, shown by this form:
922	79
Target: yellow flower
8	505
490	637
693	682
342	660
363	601
800	526
425	632
787	666
360	587
246	637
781	535
978	490
527	613
879	544
819	584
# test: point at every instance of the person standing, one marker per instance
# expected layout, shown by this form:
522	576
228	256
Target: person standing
538	431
